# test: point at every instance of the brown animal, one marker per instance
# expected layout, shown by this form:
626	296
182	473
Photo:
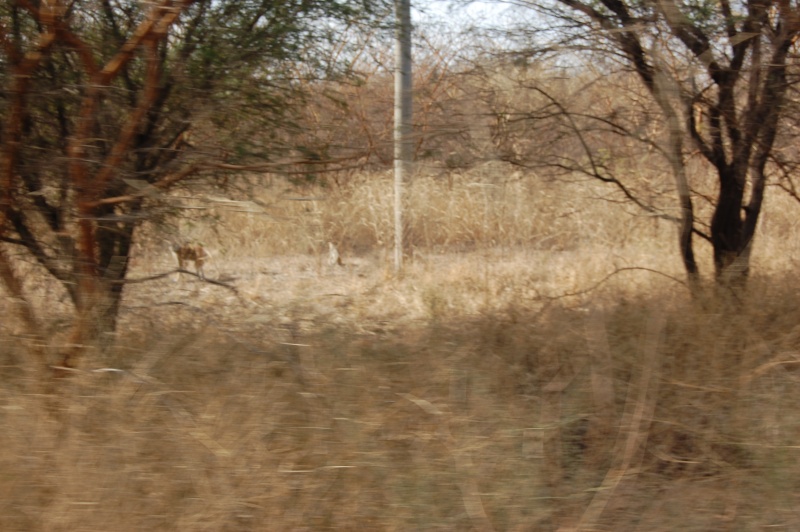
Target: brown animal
191	252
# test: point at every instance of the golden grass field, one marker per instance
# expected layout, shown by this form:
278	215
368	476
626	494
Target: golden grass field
538	366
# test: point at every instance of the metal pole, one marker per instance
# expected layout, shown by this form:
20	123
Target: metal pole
403	146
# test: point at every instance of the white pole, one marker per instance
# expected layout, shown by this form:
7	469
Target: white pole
403	146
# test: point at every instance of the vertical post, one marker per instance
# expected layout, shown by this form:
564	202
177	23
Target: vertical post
402	121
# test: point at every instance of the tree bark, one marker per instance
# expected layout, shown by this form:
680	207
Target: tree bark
726	223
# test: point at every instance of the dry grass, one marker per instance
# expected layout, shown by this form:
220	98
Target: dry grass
466	394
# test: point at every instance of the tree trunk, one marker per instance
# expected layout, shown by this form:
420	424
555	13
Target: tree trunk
100	293
662	88
731	265
114	242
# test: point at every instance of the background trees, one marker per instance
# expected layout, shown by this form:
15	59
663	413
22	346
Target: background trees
720	73
111	104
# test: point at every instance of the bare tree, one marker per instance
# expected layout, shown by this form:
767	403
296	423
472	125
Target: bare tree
719	72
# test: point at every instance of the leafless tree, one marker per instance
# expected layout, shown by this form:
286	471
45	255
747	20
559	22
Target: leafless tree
719	72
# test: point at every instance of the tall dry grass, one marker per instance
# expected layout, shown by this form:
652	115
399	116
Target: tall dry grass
510	380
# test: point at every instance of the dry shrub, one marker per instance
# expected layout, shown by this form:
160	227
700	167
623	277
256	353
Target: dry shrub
468	393
445	425
490	206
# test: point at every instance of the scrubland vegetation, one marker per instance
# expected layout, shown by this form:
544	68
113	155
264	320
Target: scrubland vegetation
539	366
551	356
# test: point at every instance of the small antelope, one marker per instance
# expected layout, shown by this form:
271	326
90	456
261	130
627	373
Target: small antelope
333	255
191	252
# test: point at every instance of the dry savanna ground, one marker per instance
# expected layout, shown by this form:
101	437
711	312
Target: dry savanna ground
538	366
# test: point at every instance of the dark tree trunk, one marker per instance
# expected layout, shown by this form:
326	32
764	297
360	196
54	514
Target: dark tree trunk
115	231
685	241
727	225
114	241
100	295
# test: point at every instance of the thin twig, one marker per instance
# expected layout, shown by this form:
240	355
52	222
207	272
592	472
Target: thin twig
609	276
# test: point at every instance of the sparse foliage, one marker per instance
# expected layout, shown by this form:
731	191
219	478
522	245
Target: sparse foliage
111	103
719	73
